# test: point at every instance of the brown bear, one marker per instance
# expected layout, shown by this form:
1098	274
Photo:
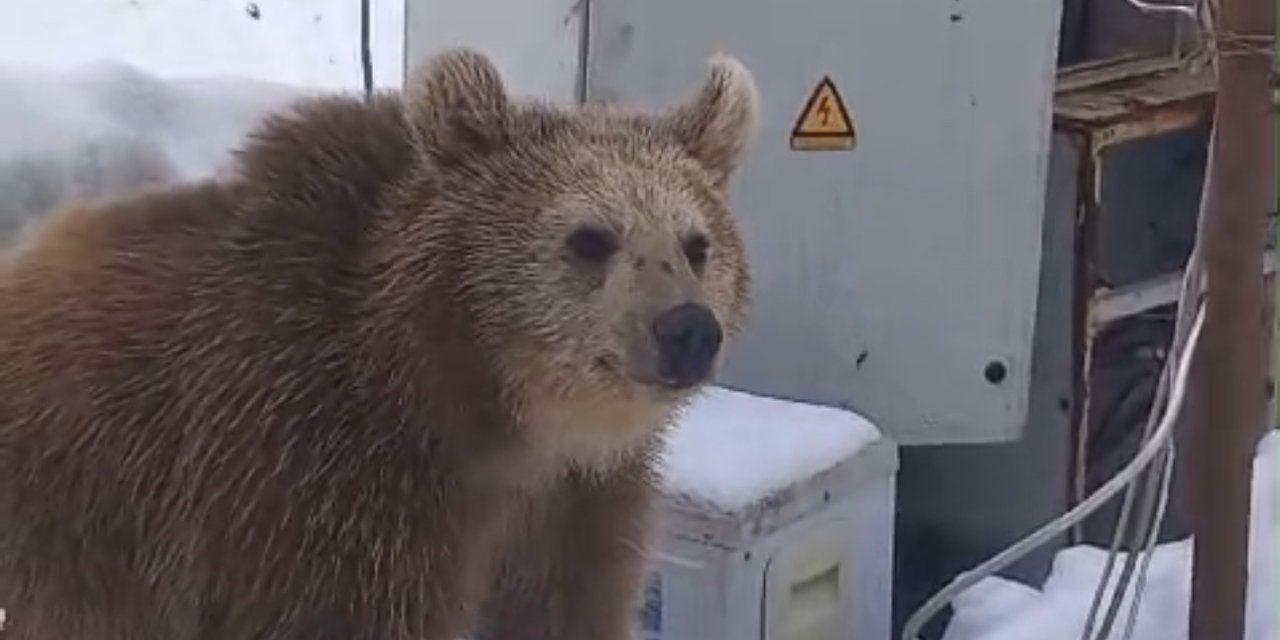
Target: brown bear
400	377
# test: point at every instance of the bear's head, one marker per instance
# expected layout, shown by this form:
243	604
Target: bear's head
594	252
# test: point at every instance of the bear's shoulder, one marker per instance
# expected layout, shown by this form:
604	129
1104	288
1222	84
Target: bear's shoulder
305	185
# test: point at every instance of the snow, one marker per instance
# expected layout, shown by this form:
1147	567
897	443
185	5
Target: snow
105	127
305	42
101	96
193	119
731	449
999	609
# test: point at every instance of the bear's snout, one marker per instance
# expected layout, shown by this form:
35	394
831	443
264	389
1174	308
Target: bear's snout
688	338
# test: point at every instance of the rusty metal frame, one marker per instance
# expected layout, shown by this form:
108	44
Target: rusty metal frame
1098	105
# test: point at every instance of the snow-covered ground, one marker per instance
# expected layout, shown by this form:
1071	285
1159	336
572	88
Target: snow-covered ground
998	609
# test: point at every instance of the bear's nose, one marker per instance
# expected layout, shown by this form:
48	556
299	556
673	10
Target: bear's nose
688	338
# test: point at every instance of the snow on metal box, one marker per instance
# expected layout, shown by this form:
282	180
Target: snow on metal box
892	200
777	522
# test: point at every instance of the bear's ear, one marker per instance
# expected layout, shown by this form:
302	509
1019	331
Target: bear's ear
716	125
456	102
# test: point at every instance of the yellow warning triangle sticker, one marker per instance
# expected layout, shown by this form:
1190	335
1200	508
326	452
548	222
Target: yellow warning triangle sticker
824	123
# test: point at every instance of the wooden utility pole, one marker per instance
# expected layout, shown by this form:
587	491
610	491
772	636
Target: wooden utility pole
1229	378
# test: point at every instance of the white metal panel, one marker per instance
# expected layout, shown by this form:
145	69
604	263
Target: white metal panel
889	278
536	44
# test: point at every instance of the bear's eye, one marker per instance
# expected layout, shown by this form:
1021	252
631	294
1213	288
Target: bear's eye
592	244
696	248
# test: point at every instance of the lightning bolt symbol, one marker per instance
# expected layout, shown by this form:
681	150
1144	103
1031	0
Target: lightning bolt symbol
824	110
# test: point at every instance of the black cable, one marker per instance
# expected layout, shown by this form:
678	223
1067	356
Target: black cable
366	56
1133	349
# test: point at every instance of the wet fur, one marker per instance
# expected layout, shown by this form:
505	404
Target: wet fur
326	398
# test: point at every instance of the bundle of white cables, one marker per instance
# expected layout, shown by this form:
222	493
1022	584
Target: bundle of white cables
1145	479
1158	445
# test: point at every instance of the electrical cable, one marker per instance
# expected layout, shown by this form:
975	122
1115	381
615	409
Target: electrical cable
1149	552
1145	533
1191	286
1160	440
1124	524
1114	430
1172	7
1136	533
1124	478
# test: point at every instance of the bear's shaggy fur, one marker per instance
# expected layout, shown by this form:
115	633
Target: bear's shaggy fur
362	389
